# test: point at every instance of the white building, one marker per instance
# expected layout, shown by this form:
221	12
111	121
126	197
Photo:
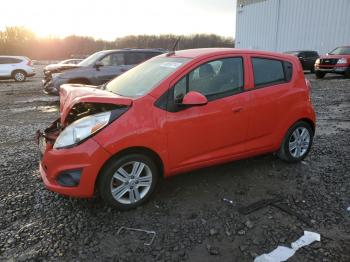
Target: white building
288	25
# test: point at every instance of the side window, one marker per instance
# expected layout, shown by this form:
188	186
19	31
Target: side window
135	58
149	55
115	59
267	71
215	79
2	60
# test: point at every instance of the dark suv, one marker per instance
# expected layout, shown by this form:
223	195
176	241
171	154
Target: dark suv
306	58
98	68
337	61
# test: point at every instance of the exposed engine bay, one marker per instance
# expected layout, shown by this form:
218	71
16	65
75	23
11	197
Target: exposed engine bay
81	110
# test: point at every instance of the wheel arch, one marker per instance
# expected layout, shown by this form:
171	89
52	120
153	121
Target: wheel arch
18	70
136	149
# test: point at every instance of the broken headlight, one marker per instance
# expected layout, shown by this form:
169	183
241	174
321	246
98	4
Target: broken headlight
82	129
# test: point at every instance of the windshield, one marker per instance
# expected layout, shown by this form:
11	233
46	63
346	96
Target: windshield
91	60
141	79
345	50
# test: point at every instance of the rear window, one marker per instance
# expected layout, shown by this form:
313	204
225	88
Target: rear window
267	71
9	60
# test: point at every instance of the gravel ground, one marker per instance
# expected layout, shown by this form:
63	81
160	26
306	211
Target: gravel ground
191	220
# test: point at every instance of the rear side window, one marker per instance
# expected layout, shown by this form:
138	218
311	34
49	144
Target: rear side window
134	58
9	60
271	71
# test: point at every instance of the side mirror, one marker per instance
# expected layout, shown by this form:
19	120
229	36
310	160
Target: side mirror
194	98
98	64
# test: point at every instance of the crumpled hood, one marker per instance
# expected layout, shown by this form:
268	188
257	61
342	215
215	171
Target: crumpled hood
71	94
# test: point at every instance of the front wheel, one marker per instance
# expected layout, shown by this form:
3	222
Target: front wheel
296	143
128	181
320	75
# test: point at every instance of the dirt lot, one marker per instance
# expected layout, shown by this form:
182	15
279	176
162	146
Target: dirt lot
187	212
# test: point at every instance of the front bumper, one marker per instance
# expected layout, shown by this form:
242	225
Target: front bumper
88	157
51	86
332	69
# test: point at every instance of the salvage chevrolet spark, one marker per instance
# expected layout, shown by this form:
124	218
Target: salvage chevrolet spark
175	113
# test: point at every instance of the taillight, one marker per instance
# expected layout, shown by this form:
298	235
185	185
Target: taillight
308	84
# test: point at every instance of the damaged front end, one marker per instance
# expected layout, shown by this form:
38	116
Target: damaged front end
83	121
50	77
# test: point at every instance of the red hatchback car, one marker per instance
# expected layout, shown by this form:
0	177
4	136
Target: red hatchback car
175	113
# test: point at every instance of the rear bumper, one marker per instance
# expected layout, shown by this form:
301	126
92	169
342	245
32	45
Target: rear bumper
88	157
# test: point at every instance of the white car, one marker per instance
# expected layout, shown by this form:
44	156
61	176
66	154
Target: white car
16	67
69	63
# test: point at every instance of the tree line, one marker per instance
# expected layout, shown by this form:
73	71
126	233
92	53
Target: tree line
22	41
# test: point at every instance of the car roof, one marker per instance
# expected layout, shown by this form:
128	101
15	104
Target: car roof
297	51
10	56
157	50
203	52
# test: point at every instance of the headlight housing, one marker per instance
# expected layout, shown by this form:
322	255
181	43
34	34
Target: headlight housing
342	61
82	129
317	62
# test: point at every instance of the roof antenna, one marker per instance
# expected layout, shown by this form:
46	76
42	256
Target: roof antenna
172	52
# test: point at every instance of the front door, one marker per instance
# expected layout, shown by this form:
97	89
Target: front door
113	65
217	129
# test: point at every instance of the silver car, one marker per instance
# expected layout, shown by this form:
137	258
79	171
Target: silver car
16	67
97	69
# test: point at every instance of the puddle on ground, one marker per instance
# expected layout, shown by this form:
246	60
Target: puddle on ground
39	99
45	109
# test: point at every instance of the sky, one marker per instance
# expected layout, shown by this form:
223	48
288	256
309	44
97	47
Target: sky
108	19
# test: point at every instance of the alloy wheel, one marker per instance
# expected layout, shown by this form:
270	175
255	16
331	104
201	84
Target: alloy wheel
299	142
19	76
131	182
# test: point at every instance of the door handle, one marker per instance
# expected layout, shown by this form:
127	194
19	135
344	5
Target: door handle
237	109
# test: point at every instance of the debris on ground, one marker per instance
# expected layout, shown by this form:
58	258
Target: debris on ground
282	253
153	233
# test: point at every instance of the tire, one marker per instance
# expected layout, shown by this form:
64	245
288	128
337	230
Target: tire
319	74
19	76
118	184
347	73
293	150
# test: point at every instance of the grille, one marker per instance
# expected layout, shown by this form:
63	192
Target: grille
328	61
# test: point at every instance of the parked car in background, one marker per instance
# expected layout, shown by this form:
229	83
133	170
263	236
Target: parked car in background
98	68
16	67
307	58
174	113
65	63
337	61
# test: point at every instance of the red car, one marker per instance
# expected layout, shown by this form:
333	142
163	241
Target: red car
175	113
336	61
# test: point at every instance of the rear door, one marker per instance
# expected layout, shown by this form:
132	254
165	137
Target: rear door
112	66
7	65
134	58
215	130
269	97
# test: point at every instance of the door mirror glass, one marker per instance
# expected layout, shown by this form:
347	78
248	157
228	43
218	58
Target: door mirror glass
98	64
194	98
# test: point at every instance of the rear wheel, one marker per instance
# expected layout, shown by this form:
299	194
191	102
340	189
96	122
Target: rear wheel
19	76
128	181
320	74
296	143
